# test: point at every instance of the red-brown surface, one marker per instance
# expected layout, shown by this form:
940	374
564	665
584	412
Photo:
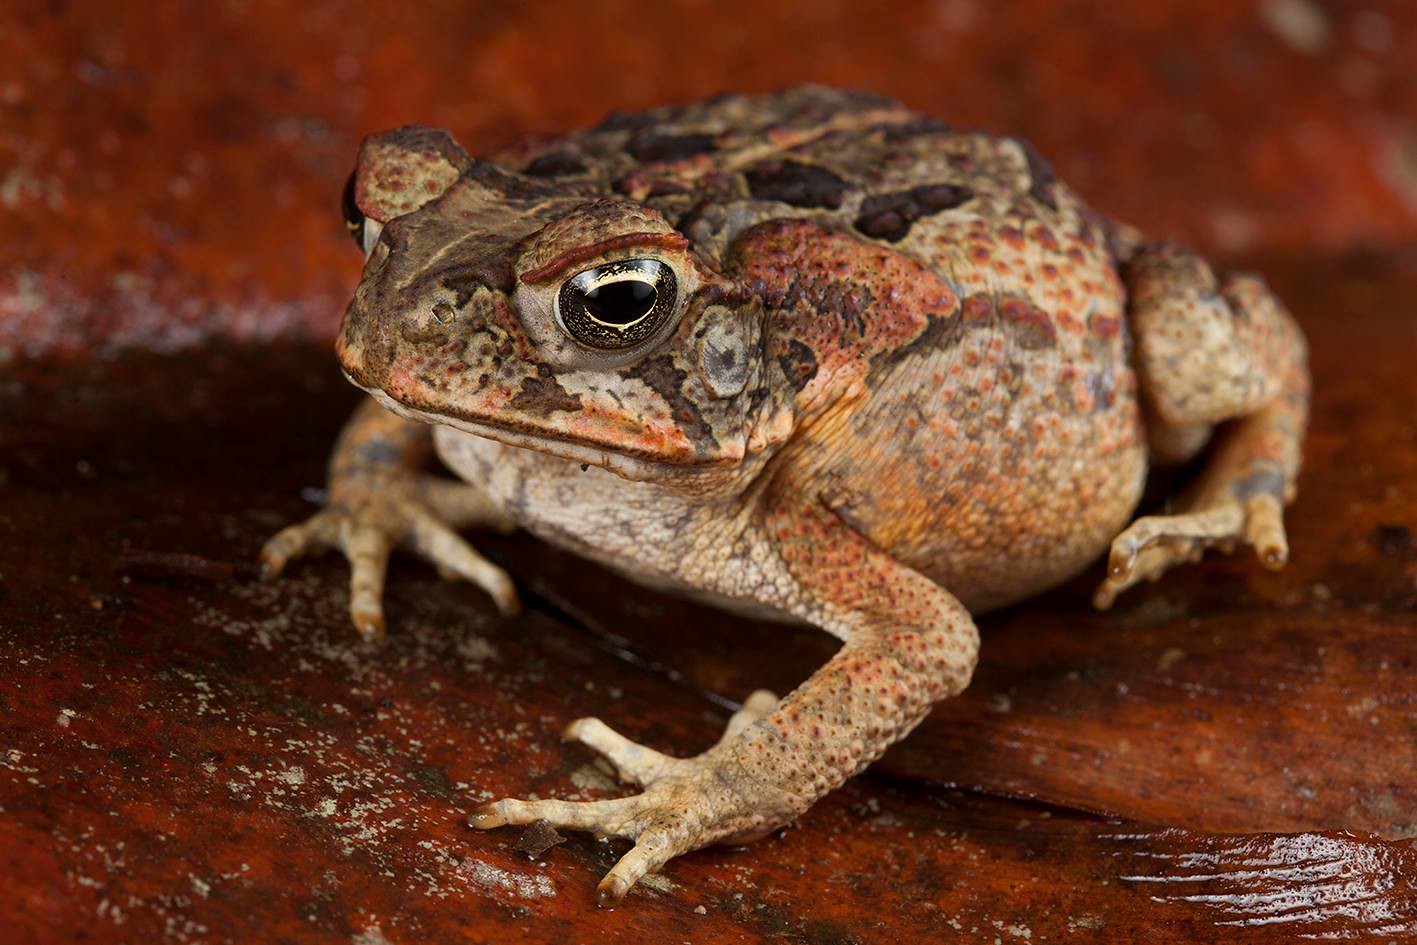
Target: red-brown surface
187	755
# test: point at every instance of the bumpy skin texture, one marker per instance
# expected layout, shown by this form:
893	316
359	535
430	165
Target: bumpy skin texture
907	376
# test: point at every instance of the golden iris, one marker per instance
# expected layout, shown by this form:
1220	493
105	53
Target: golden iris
617	305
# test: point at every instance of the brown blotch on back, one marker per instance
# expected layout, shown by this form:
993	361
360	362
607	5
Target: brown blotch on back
637	186
1104	326
510	186
904	131
649	146
626	121
977	308
942	329
889	216
555	164
1031	326
796	184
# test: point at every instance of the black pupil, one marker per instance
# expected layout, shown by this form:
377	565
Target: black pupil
620	303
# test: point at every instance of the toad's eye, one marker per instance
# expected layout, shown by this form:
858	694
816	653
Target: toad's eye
617	305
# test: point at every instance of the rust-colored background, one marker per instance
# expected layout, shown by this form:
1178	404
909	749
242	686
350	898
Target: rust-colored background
189	756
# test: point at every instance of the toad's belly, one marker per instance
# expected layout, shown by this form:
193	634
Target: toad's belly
995	541
989	537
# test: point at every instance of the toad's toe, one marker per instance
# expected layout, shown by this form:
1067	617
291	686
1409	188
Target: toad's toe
1153	545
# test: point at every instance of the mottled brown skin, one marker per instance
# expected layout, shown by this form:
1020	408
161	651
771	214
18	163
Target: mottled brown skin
908	376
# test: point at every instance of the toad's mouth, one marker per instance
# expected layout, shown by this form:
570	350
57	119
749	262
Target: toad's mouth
628	466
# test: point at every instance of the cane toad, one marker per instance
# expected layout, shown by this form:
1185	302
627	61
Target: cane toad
809	355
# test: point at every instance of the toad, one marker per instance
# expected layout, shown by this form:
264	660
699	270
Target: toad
808	355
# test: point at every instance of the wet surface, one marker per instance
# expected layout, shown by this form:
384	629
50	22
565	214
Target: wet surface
191	755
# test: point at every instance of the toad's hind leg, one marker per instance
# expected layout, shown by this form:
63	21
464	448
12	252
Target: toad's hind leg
1212	352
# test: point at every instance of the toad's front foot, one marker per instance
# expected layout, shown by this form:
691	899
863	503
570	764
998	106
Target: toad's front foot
369	515
1155	544
687	803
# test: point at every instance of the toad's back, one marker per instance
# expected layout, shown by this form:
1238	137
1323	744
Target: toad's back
1004	430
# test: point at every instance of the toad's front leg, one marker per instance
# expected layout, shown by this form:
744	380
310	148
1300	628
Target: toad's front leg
908	643
379	498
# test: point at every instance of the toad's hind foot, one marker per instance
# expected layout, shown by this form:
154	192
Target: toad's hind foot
686	802
1155	544
1210	352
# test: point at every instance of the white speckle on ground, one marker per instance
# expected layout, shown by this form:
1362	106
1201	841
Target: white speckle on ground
492	878
21	186
292	776
1362	707
373	935
110	911
658	882
592	777
11	759
1086	921
475	651
64	717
